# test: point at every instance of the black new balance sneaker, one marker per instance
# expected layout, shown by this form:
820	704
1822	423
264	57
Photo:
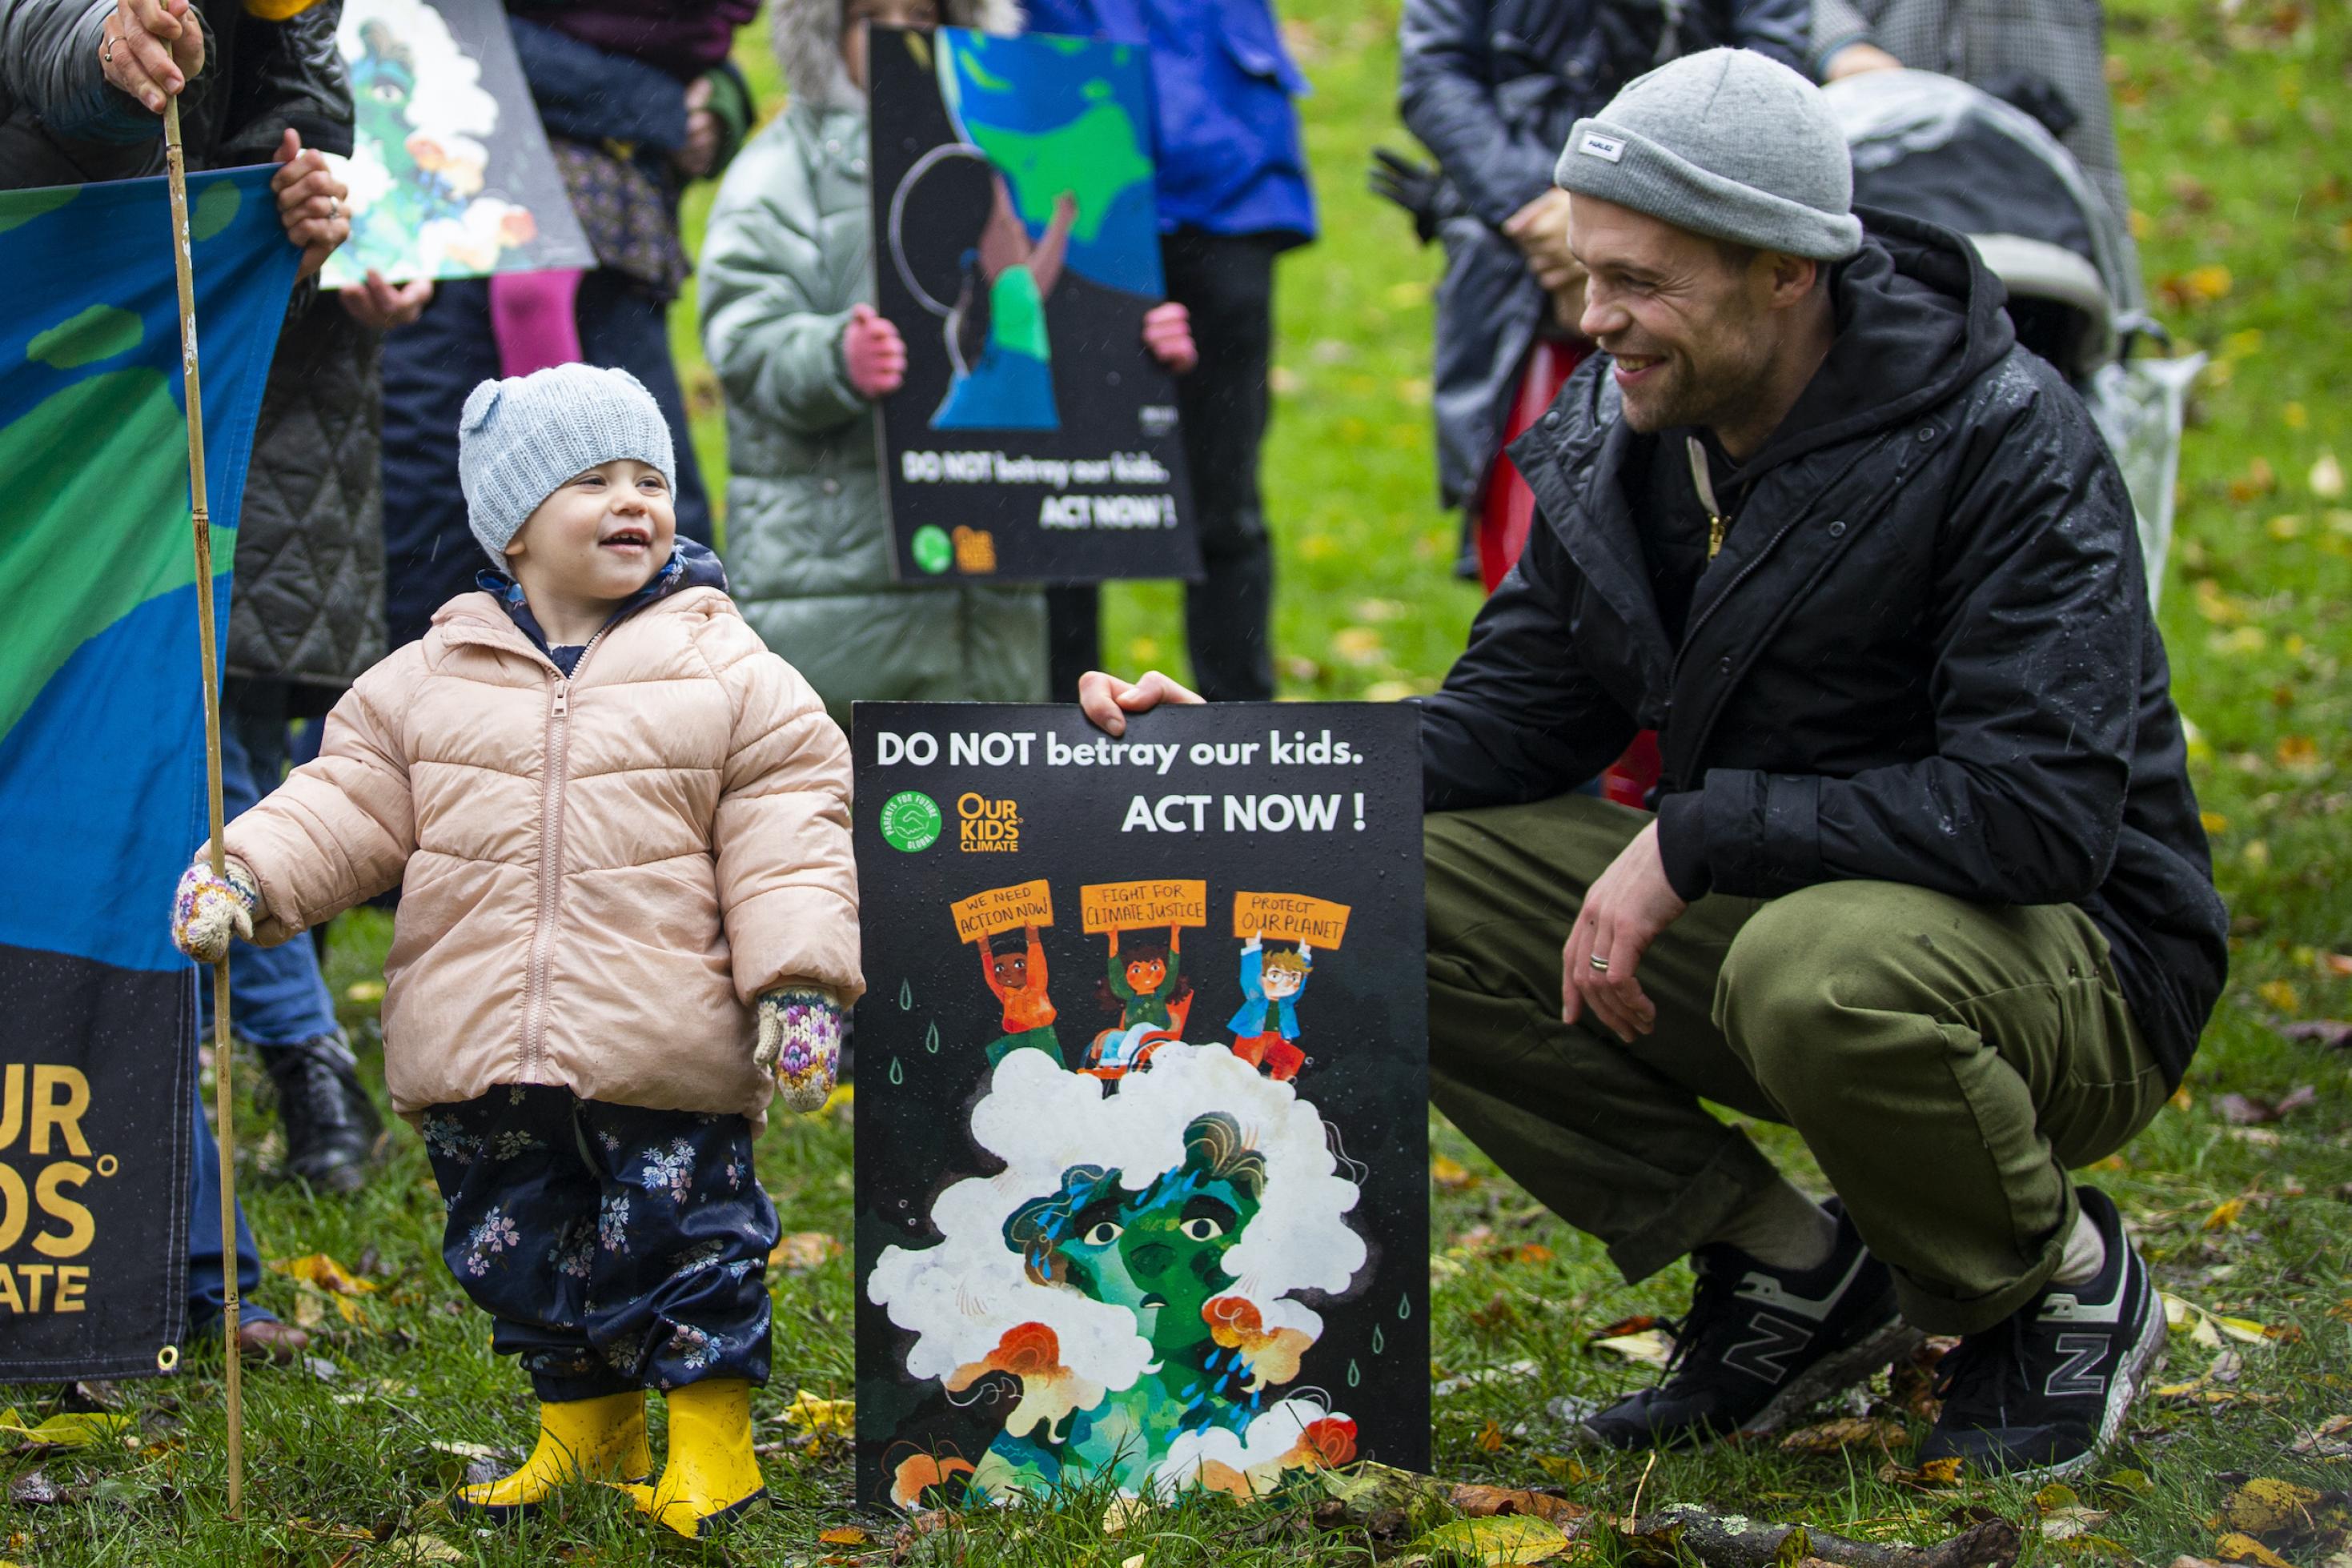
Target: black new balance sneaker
2037	1395
1760	1344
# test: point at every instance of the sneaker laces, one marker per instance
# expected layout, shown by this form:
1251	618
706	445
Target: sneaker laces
1975	1374
1713	1299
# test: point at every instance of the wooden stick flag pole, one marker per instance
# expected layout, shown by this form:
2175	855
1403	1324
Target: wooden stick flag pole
175	157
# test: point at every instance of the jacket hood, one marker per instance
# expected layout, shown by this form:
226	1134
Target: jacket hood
1916	309
808	45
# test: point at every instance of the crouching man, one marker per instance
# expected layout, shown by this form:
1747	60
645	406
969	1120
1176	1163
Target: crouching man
1925	880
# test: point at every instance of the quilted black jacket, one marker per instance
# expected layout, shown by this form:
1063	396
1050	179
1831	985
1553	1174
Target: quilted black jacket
308	602
1924	656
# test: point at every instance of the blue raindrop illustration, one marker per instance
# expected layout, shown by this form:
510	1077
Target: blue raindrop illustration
1379	1341
932	1038
897	1073
1355	1375
906	996
1405	1306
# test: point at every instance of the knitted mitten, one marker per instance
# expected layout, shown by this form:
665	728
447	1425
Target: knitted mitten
208	910
800	1042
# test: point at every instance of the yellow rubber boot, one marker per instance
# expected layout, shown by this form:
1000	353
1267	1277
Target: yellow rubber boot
579	1440
712	1475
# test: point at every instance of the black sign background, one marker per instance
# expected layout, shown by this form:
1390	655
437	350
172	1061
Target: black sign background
1111	394
97	1220
928	1017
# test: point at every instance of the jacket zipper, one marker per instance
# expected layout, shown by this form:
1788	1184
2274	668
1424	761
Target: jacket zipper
551	864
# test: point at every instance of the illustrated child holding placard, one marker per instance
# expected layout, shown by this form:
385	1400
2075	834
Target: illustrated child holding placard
1017	979
628	916
1152	998
1266	1026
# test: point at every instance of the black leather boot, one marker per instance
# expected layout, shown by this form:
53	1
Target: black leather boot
331	1124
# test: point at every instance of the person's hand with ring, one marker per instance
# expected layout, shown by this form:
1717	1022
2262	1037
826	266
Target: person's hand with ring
151	49
1626	907
309	202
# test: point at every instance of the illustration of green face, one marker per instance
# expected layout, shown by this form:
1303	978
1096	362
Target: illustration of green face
1159	1252
382	81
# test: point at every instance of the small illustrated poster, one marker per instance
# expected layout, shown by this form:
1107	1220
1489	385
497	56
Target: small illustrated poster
1143	1190
1016	247
450	172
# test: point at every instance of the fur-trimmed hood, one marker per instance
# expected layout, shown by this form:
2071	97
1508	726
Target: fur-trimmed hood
808	44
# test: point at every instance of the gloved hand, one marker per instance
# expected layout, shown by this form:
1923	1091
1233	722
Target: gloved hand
800	1042
1421	189
207	911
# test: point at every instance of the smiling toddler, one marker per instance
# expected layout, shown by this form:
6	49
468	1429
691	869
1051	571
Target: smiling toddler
628	914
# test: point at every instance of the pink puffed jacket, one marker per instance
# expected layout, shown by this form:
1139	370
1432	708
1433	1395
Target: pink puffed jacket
598	875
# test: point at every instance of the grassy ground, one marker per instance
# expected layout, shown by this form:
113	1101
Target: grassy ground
2234	118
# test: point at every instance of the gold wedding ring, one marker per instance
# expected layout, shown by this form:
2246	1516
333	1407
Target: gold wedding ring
1600	965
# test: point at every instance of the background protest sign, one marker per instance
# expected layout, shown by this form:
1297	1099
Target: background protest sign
101	739
1016	247
1141	1203
450	172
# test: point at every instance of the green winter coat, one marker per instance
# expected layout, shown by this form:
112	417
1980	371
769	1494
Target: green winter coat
808	559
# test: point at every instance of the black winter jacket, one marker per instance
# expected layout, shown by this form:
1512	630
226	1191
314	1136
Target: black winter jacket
1492	88
1925	654
308	602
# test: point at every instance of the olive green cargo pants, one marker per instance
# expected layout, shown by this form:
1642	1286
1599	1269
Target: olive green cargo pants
1946	1062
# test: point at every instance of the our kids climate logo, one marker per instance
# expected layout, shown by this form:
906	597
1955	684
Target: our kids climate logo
987	827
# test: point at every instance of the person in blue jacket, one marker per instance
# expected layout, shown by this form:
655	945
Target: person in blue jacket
1233	195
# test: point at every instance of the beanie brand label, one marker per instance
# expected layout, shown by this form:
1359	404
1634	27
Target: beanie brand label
1592	144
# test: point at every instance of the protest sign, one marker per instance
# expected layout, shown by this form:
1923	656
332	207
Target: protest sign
450	172
101	740
1016	247
1140	1201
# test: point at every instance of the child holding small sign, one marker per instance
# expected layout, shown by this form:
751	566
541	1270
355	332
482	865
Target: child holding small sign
620	827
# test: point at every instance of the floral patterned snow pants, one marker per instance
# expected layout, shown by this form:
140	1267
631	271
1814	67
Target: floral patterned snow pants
616	1248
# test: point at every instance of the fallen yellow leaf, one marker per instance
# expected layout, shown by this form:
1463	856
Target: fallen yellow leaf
2225	1214
811	1413
2266	1504
1490	1438
2236	1547
1450	1173
844	1535
1504	1539
318	1268
2281	995
75	1430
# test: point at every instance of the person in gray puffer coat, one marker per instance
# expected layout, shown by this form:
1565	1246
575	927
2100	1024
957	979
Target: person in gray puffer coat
786	259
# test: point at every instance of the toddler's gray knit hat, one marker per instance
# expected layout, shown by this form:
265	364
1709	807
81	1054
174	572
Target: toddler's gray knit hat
519	439
1726	142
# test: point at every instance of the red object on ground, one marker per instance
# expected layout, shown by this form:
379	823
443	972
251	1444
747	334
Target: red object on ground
1506	515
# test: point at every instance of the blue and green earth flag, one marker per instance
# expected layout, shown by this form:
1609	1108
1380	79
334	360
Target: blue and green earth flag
102	737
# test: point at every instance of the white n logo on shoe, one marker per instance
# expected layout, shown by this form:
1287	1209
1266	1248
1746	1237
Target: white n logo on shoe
1766	1357
2072	1377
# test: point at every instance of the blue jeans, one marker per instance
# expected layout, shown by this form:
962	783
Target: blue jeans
276	995
206	1291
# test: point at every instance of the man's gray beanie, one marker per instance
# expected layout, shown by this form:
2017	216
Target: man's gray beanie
1727	144
519	439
